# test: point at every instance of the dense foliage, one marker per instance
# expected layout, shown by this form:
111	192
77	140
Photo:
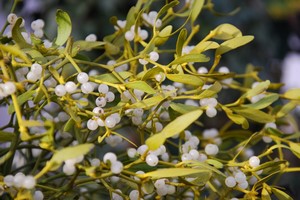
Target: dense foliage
141	119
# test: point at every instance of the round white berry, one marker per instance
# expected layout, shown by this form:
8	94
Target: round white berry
92	124
38	195
87	87
154	56
211	149
32	77
91	38
82	77
110	122
143	34
230	181
186	157
194	154
243	184
160	183
95	162
240	177
211	111
36	68
224	70
69	169
116	167
98	110
103	88
152	160
116	116
143	62
254	161
39	33
110	96
267	139
19	178
60	90
134	195
109	157
9	180
12	18
9	88
100	122
29	182
129	35
37	24
131	152
202	70
142	149
202	157
70	87
100	101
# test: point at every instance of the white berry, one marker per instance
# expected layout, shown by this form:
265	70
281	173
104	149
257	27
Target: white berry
70	87
211	149
87	87
60	90
92	124
230	181
152	160
82	77
254	161
116	167
109	156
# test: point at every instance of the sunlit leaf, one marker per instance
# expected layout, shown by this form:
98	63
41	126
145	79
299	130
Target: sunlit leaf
226	32
295	147
204	46
287	108
111	78
186	79
264	102
182	108
151	73
174	172
233	44
17	35
196	9
163	35
254	114
180	41
173	128
140	85
84	45
211	91
265	195
281	195
190	58
64	27
238	119
148	103
258	89
293	94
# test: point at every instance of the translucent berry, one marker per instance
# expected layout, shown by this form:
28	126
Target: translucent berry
60	90
103	88
70	87
243	184
87	87
32	76
95	162
116	167
129	35
131	152
211	111
38	195
9	180
92	124
254	161
100	101
230	181
240	177
152	160
69	169
91	38
37	24
98	110
110	96
109	156
9	88
29	182
82	77
19	178
154	56
110	122
36	68
134	195
211	149
12	18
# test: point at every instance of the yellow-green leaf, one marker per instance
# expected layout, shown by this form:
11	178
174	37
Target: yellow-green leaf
151	73
17	36
295	147
36	55
281	195
258	89
233	44
196	9
140	85
176	126
163	35
71	152
265	195
254	114
174	172
180	41
204	46
84	45
211	91
64	27
226	32
6	136
15	50
186	79
238	119
190	58
293	94
148	103
182	108
264	102
287	108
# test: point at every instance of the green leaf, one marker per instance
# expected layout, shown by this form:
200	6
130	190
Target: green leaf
182	108
149	102
204	46
6	136
17	36
258	89
64	27
15	50
233	44
186	79
196	9
264	102
295	147
140	85
36	55
176	126
166	7
84	45
287	108
204	165
163	35
174	172
280	194
190	58
226	32
211	91
254	114
214	163
265	195
69	125
70	153
21	99
180	41
293	94
111	78
151	73
238	119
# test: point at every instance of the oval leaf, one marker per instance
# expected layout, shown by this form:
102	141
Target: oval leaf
254	114
226	32
174	172
190	58
140	85
186	79
233	44
64	27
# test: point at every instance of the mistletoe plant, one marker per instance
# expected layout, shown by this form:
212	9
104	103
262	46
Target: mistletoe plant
139	119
